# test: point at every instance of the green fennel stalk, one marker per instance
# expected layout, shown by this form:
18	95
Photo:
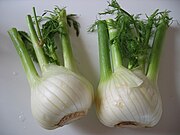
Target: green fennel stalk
65	40
25	58
153	68
116	56
37	44
104	57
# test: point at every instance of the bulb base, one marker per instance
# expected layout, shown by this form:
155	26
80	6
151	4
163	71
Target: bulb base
131	124
70	117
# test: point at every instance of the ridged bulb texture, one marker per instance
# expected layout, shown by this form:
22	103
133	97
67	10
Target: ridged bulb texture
128	99
60	97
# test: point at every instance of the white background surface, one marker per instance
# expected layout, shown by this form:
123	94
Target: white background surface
15	111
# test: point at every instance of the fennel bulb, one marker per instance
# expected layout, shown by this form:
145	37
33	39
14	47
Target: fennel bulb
128	94
59	95
128	99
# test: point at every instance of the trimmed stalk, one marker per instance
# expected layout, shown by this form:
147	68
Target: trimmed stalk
104	58
115	52
37	25
66	44
37	44
25	58
53	54
153	68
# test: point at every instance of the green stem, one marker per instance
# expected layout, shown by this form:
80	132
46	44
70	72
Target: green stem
153	68
37	24
36	44
25	58
104	57
65	41
142	63
115	52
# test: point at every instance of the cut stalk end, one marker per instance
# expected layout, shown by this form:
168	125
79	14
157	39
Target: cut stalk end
23	54
104	57
153	68
114	44
68	57
37	44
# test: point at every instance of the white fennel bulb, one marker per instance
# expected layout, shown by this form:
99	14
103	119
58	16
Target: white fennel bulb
59	97
59	94
128	99
128	94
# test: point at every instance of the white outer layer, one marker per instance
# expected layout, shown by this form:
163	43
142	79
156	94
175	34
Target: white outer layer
128	97
60	92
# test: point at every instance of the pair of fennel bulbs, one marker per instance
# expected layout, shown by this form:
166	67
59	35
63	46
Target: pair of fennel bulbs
127	94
